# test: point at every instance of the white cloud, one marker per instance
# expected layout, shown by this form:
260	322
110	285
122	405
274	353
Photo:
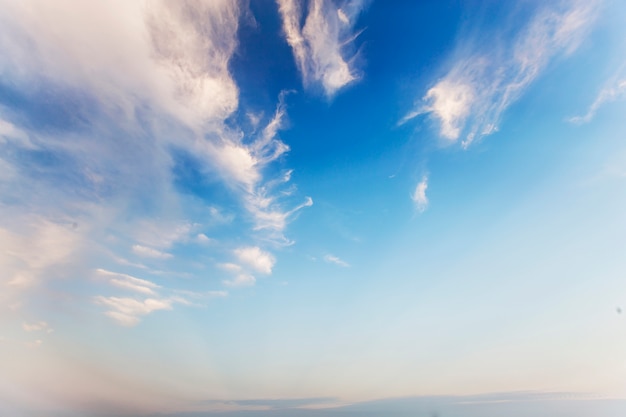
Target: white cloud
147	252
614	90
32	250
470	98
128	311
35	327
146	81
320	47
244	164
241	280
10	132
161	234
158	52
129	282
332	259
203	239
419	195
256	258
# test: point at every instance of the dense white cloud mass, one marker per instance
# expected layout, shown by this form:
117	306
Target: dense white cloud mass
130	101
469	100
320	46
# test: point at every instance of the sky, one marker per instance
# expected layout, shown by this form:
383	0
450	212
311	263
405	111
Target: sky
312	208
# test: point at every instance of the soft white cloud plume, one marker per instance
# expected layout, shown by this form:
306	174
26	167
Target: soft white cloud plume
332	259
32	251
10	132
470	98
250	259
244	163
321	46
129	282
203	239
172	55
230	267
150	252
256	258
128	311
614	90
419	195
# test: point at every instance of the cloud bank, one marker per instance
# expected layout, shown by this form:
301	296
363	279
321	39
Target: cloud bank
94	124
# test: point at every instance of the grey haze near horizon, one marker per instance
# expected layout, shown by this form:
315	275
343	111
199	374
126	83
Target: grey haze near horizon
518	404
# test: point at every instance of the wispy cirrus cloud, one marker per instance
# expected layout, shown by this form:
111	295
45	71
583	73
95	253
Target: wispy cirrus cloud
614	89
419	195
129	282
128	311
321	46
469	100
149	297
332	259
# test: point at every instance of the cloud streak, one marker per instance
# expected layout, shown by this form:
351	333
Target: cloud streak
419	195
469	100
615	89
332	259
321	46
128	311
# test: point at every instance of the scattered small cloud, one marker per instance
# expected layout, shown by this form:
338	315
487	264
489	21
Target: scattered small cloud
332	259
203	239
322	44
147	252
128	311
129	282
471	97
419	195
256	258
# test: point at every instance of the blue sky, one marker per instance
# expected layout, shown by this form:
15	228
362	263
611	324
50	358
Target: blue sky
312	207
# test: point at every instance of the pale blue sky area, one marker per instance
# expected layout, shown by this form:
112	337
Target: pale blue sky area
312	208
